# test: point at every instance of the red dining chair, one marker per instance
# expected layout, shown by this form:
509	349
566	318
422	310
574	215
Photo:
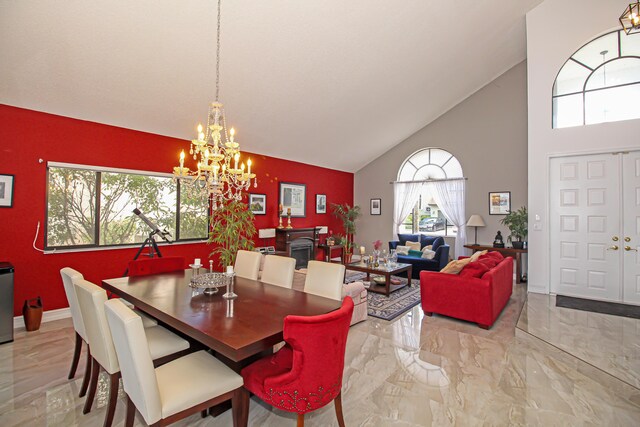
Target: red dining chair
145	267
306	374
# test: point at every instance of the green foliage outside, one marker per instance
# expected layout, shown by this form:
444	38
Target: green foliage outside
232	229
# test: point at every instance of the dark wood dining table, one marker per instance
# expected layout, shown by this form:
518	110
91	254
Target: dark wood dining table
236	329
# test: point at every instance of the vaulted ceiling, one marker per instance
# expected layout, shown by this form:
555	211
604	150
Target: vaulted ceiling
333	83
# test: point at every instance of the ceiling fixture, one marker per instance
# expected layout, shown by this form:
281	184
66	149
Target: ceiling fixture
630	18
220	173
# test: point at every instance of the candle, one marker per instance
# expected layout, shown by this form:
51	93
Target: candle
181	160
280	207
236	158
229	269
196	261
249	164
361	250
288	211
232	132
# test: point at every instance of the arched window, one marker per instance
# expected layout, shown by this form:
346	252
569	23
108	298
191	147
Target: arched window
423	165
599	83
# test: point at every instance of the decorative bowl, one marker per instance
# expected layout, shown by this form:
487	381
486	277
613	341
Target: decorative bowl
210	282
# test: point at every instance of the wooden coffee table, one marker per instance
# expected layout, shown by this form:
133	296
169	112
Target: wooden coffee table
386	271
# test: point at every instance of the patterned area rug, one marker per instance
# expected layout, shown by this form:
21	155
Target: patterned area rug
398	302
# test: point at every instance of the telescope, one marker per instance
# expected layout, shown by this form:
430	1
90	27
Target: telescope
156	230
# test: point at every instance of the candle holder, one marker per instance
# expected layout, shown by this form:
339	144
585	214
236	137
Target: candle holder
289	220
280	218
230	278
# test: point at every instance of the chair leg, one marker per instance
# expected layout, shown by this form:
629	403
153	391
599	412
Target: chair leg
240	407
76	356
113	399
87	374
428	313
93	384
300	420
338	404
131	413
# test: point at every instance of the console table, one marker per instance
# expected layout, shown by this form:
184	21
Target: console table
515	253
328	249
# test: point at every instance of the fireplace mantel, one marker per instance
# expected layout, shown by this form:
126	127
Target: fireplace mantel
288	238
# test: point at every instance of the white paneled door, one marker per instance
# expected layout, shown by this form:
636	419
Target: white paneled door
594	210
631	231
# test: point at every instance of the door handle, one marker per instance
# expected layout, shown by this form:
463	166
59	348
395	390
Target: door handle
627	239
614	238
613	248
629	248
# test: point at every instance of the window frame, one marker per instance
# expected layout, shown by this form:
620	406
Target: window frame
98	170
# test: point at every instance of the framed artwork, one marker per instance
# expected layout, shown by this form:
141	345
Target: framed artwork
258	204
293	196
6	191
321	203
499	203
376	207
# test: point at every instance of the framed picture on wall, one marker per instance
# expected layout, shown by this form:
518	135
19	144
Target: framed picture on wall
258	204
6	191
499	203
293	196
321	203
376	207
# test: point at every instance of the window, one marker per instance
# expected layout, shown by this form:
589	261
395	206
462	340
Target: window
426	216
90	208
599	83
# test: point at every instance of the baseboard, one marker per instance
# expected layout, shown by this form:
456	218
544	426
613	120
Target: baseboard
47	316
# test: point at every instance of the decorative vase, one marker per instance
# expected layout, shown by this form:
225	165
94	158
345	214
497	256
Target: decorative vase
376	257
32	313
347	257
517	245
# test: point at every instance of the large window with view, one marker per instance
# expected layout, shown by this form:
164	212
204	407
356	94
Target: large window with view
427	217
92	207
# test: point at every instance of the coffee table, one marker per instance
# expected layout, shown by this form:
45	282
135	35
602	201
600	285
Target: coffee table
384	270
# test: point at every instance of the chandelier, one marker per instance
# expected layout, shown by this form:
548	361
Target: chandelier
220	174
630	18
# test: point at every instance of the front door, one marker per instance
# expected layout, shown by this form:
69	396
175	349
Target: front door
631	233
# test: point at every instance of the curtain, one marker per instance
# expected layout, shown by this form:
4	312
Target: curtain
449	195
405	197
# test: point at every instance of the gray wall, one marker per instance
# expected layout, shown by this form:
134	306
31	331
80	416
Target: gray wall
487	132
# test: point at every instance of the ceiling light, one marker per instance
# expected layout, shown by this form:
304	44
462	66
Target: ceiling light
630	18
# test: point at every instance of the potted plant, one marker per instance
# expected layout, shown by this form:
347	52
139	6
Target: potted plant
516	221
231	229
348	216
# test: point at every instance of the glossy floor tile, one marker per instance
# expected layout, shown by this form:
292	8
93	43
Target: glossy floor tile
414	371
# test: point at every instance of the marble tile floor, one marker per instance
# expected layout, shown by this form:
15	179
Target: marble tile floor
414	371
610	343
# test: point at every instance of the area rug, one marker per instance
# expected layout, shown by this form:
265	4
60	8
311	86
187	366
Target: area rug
396	304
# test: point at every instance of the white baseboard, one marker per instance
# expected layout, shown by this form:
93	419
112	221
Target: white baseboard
47	316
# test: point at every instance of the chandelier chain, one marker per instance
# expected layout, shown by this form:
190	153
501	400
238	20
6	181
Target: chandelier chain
218	54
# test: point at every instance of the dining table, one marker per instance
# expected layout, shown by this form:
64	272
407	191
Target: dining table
239	329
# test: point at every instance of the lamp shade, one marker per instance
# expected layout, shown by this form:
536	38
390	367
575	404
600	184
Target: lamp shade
266	233
475	221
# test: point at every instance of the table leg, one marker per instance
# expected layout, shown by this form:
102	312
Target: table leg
409	276
387	283
518	268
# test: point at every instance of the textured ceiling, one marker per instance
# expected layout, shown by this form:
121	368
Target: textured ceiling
333	83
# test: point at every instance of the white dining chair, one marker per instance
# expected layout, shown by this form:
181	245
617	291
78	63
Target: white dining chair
177	389
68	275
325	279
247	264
162	344
278	270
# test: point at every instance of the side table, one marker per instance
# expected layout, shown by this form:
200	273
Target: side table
328	250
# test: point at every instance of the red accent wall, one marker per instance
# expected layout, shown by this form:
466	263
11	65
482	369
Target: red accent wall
27	136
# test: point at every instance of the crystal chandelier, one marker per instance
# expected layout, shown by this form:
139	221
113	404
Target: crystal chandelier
630	18
221	174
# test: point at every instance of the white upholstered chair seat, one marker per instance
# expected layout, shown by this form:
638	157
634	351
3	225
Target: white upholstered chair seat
278	270
247	264
193	379
163	343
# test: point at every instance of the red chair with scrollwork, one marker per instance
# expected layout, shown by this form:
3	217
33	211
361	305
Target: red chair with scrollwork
306	374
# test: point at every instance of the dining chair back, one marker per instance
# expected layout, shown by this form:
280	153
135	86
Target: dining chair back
248	264
306	374
325	279
278	270
147	266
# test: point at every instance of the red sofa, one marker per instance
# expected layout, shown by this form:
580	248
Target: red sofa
478	300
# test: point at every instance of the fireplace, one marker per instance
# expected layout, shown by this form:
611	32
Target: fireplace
298	243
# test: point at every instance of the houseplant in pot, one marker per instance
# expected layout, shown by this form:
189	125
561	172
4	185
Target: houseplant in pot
516	221
231	229
348	215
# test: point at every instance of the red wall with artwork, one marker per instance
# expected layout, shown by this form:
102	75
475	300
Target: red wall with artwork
26	137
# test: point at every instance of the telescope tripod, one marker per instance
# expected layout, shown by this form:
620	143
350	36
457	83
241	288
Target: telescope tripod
153	250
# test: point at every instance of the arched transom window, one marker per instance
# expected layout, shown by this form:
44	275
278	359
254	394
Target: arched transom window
599	83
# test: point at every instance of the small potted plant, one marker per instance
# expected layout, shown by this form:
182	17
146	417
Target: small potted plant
516	221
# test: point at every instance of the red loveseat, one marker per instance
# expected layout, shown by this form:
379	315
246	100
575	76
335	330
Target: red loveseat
479	300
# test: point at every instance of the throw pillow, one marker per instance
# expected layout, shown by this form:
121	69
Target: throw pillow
415	246
430	247
488	261
477	255
428	253
495	255
474	269
402	250
454	267
417	254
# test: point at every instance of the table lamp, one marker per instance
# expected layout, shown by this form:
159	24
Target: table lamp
476	221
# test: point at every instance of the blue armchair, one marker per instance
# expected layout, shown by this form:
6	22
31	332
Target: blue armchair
438	262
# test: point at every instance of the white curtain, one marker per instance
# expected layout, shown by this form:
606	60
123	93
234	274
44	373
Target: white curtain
449	195
405	197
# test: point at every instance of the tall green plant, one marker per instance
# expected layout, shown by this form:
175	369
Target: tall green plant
231	229
516	221
348	216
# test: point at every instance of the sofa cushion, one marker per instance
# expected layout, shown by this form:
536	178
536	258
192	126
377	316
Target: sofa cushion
411	237
477	255
488	261
474	269
455	266
402	250
414	253
495	255
413	246
427	253
433	241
